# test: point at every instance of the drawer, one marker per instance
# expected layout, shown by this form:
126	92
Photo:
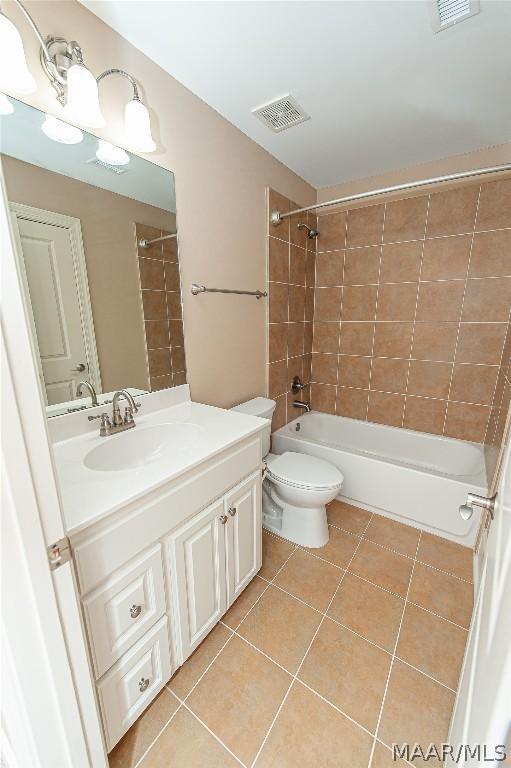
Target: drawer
129	687
122	609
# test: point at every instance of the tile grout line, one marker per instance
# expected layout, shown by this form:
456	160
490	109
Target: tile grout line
304	656
414	321
153	742
461	309
387	549
496	383
393	656
217	738
375	312
377	586
417	239
182	702
233	631
348	629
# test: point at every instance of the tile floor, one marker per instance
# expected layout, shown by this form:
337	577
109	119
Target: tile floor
328	657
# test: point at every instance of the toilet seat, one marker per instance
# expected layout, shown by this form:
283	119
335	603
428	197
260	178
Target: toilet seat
300	470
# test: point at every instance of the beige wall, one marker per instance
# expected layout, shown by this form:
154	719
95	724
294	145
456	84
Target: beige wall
108	231
221	176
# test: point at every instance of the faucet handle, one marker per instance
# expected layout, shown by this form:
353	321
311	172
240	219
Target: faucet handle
106	424
128	415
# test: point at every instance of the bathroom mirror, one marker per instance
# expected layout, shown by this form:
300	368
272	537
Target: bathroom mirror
97	247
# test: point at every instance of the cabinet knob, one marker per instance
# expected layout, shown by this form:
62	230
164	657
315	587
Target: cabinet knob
135	611
223	519
232	511
143	684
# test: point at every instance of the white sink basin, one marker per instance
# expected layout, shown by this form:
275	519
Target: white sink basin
143	445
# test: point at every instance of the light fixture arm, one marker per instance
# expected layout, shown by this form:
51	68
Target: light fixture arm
35	29
128	77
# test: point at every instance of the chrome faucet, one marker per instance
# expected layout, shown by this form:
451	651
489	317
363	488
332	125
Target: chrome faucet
118	423
132	408
300	404
90	388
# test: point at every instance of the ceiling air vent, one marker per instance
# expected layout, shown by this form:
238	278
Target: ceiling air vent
445	13
281	114
118	169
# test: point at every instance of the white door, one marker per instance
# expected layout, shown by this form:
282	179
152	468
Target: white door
198	554
53	300
243	509
42	634
482	714
55	286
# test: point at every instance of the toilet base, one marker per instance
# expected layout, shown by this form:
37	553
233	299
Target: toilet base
306	526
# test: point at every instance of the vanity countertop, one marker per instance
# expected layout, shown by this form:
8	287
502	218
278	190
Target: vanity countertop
89	495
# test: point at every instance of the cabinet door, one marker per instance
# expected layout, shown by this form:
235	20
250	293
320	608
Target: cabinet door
198	575
243	510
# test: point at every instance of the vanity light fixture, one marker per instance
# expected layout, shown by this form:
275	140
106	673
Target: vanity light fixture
58	130
82	97
6	106
75	85
14	73
110	154
137	127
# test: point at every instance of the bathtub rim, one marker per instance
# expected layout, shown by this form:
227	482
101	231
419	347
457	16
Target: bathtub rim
478	479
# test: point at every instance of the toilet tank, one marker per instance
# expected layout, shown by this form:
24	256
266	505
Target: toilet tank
262	407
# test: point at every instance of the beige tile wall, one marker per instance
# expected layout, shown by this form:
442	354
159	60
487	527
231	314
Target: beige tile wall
291	266
412	304
500	415
162	309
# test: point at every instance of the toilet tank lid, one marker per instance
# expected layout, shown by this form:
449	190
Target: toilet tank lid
258	406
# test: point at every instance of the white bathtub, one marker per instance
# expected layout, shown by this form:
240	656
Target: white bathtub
413	477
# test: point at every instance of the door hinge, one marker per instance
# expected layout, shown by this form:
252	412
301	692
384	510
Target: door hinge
59	553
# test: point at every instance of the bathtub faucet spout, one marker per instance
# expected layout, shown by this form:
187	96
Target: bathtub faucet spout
300	404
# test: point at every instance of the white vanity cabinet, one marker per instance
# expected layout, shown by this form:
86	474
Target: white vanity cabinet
157	575
214	557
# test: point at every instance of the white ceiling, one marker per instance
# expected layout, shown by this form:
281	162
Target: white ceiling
383	91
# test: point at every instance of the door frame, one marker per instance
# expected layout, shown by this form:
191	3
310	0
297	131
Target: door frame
44	646
458	733
74	229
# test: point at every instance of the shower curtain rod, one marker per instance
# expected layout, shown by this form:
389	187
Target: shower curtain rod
143	243
277	216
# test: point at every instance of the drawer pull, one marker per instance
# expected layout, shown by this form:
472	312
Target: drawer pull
135	611
143	684
232	511
223	519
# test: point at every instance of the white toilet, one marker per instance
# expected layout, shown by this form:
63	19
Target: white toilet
296	489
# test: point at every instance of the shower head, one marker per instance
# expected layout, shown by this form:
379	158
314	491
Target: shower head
311	233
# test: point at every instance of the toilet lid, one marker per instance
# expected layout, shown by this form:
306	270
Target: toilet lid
303	471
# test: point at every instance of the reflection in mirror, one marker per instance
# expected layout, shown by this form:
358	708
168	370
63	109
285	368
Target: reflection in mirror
95	229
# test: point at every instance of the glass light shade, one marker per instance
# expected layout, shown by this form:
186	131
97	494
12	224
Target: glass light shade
82	104
137	127
14	73
58	130
6	106
110	154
